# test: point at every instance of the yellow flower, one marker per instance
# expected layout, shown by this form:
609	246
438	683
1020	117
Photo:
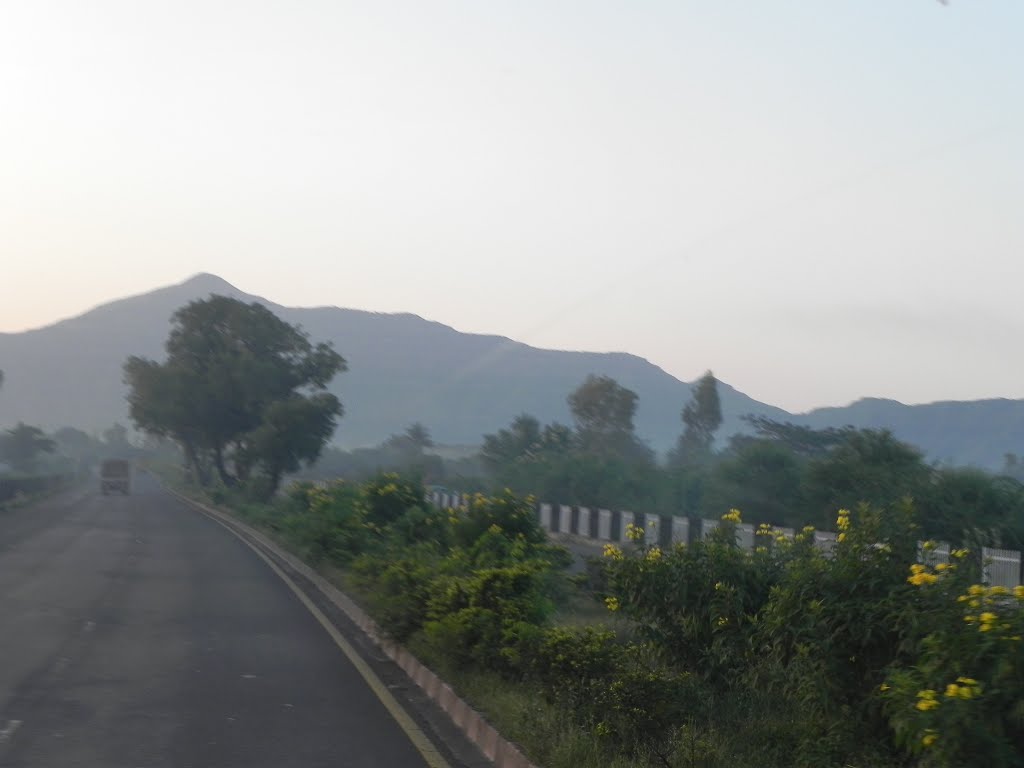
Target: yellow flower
841	537
943	567
988	617
1018	592
927	694
985	628
612	603
732	516
925	704
917	568
975	590
967	681
722	621
719	585
970	619
612	552
960	554
634	532
929	738
998	590
883	687
952	690
654	554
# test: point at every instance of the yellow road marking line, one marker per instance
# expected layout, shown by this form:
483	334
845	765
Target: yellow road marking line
419	739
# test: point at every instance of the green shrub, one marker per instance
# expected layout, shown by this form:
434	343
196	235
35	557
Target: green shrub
961	701
401	586
472	618
694	603
327	523
388	497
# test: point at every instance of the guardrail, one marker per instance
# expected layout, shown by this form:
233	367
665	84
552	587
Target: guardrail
1001	567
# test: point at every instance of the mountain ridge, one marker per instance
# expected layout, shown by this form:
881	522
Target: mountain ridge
405	368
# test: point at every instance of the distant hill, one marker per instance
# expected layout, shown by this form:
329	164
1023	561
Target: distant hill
403	368
976	432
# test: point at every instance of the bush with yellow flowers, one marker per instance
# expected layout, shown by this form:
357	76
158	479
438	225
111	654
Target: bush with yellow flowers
860	651
389	496
326	522
962	700
696	602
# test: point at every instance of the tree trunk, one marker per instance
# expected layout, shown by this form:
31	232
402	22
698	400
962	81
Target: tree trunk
274	482
218	461
194	464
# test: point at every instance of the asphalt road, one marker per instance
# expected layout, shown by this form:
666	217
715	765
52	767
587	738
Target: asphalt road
136	632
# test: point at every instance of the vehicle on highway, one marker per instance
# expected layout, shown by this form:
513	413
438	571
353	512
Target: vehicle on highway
116	475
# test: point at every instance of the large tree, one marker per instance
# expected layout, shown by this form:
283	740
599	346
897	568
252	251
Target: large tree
414	441
408	452
603	411
521	438
869	466
241	391
803	441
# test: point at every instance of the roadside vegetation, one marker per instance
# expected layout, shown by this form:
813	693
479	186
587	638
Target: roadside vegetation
699	655
702	655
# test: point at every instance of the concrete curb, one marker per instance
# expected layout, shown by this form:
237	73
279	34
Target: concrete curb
502	752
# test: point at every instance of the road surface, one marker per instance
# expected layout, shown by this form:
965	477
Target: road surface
135	631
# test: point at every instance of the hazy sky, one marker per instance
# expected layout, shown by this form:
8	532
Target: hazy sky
819	201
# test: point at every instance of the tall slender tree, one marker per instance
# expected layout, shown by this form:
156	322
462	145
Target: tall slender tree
702	417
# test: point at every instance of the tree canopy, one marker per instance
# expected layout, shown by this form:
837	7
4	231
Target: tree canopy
604	411
242	392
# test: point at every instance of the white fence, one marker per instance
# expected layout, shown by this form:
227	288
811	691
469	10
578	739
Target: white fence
1001	567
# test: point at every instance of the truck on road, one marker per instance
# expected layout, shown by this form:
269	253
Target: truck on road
116	475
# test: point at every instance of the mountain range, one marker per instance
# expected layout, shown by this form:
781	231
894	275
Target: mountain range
403	369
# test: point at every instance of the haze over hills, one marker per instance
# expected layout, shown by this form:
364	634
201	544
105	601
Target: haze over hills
403	368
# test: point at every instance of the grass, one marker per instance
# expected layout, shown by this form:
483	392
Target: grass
521	714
